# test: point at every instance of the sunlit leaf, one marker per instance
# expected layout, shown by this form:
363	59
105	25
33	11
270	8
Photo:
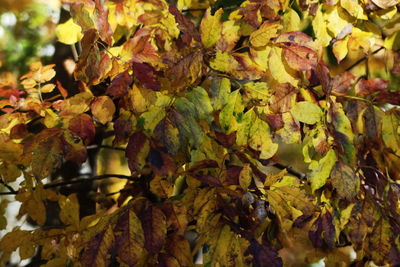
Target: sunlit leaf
69	32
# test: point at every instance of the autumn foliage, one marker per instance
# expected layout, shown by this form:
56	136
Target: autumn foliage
201	97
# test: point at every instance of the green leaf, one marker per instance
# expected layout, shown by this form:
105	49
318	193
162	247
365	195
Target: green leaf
187	121
199	97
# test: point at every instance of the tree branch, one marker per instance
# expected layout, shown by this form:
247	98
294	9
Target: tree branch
107	147
94	178
75	181
10	189
290	170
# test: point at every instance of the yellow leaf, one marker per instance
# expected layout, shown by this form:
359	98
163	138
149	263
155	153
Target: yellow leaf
261	56
69	33
263	35
211	27
183	3
48	88
337	20
278	69
390	132
229	36
320	28
103	109
307	112
260	139
291	21
69	210
320	170
340	49
224	62
245	177
354	8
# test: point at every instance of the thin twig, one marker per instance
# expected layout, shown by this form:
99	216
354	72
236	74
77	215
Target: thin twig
363	58
74	53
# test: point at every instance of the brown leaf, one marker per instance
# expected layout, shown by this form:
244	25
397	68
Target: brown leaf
179	248
342	83
44	152
344	180
155	229
208	179
295	38
185	71
167	134
367	87
19	131
103	109
300	58
186	26
96	252
103	26
161	163
129	239
161	187
177	216
119	85
83	126
322	233
137	151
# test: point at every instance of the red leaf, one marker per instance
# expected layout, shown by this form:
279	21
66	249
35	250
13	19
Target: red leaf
145	74
154	228
119	85
83	126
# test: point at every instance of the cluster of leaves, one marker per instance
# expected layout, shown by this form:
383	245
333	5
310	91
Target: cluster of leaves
201	111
